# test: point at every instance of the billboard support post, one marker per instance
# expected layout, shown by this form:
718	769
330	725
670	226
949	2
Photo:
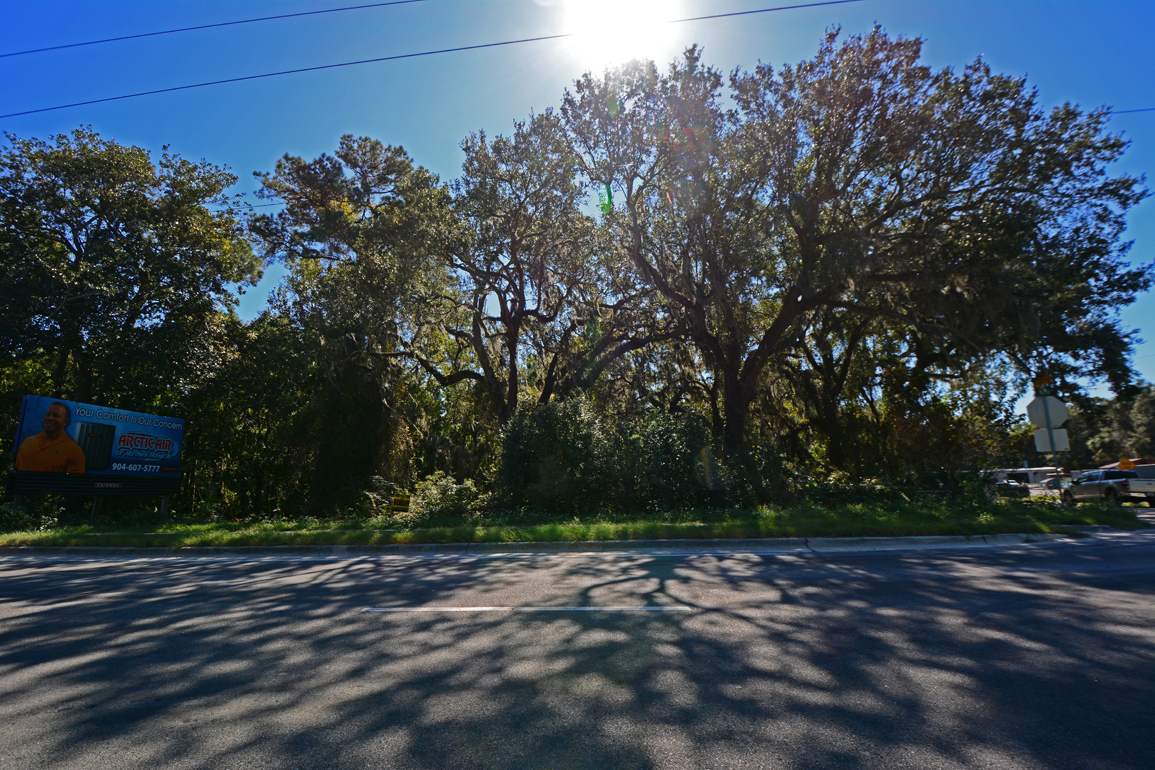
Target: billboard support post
164	508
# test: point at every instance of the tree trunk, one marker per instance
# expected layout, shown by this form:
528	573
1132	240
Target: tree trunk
59	374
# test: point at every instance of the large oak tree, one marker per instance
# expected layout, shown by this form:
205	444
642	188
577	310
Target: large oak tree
863	183
541	304
112	268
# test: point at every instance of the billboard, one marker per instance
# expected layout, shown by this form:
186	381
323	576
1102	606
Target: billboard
73	448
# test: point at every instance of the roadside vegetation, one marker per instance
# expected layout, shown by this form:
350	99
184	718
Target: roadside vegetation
881	513
679	305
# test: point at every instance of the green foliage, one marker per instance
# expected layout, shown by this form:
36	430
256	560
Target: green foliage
111	267
564	458
840	489
803	277
358	232
946	209
669	462
556	459
42	514
247	422
921	515
378	497
19	378
540	304
1104	431
440	495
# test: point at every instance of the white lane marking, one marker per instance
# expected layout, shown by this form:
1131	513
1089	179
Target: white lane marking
531	609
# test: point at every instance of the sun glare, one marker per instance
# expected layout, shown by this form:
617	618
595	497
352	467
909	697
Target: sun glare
612	31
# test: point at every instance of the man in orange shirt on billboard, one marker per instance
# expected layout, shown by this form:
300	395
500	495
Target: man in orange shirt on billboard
53	450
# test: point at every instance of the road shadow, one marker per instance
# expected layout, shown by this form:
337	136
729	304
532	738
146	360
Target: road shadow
920	660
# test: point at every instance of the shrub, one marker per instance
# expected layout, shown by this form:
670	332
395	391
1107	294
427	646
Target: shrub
378	497
840	488
667	462
30	517
562	459
440	495
556	459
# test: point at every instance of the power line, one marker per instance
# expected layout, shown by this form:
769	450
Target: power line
394	58
204	26
762	10
1122	112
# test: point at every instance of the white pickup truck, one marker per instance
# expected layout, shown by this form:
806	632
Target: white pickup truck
1112	486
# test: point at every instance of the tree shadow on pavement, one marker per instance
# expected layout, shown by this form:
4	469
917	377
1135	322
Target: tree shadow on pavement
919	660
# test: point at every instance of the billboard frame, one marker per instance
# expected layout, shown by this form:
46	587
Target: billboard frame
154	477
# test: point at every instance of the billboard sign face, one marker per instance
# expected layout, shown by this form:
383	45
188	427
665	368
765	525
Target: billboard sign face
70	447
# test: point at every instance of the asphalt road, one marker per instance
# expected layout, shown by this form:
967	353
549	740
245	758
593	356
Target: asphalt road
1038	656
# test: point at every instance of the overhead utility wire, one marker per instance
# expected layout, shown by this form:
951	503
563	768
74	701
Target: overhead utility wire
394	58
205	26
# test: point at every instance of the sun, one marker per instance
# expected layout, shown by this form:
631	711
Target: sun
609	32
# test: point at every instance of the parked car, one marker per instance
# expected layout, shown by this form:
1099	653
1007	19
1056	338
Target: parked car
1110	486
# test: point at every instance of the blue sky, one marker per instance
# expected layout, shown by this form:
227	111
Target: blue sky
1088	53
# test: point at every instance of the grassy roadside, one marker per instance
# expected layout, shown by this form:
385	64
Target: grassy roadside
808	520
